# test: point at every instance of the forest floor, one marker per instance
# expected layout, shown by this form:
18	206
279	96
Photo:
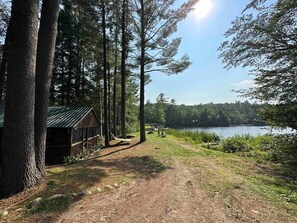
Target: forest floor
161	180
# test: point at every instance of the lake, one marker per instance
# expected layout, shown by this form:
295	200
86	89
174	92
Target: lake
225	132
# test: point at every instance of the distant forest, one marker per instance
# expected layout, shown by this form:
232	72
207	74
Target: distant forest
202	115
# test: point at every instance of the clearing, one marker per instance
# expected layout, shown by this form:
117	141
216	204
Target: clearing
161	180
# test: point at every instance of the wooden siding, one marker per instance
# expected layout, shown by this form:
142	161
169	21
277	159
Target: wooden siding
90	120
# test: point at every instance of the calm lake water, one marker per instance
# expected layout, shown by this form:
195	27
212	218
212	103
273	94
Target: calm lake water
225	132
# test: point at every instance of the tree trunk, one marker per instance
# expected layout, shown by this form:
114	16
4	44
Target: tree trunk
18	170
142	79
44	66
115	82
83	81
100	106
123	72
70	67
62	77
114	99
109	97
105	104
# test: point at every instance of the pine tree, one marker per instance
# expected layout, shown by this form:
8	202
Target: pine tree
155	22
44	64
18	170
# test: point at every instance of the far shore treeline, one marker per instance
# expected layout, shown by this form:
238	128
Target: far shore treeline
202	115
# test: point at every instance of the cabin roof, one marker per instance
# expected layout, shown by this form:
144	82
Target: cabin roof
66	117
61	116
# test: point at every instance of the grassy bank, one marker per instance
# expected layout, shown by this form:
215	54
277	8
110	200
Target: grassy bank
280	149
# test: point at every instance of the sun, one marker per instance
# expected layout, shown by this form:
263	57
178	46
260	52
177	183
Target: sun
203	8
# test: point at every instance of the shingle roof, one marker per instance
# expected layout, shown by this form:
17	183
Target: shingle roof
60	116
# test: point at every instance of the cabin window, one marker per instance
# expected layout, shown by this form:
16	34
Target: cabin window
77	135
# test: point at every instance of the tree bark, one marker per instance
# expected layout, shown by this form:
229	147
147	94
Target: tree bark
105	104
142	79
114	99
123	72
115	82
70	68
44	66
18	170
109	96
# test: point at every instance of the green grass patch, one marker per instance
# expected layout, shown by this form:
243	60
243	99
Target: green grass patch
194	137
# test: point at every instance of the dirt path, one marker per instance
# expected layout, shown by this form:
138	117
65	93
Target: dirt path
170	197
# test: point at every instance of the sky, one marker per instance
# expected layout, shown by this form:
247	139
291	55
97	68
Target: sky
206	80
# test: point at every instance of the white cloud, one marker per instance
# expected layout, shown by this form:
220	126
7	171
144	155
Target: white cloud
245	84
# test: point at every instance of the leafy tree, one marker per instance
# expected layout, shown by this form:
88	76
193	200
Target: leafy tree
264	38
4	20
205	115
78	58
222	119
154	23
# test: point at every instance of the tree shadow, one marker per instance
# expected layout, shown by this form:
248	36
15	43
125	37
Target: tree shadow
135	166
283	179
81	176
141	166
112	152
283	172
73	179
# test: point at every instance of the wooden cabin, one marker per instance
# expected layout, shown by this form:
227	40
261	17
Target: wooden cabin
70	131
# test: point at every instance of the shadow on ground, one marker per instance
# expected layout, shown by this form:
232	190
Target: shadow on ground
139	166
279	178
81	176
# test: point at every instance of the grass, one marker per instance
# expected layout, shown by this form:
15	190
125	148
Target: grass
270	181
195	137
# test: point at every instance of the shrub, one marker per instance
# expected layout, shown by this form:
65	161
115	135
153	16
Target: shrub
284	150
69	159
80	156
276	148
237	144
265	142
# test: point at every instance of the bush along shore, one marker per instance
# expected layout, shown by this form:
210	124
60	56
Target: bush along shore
277	148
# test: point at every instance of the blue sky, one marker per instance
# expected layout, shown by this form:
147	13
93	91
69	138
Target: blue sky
206	80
